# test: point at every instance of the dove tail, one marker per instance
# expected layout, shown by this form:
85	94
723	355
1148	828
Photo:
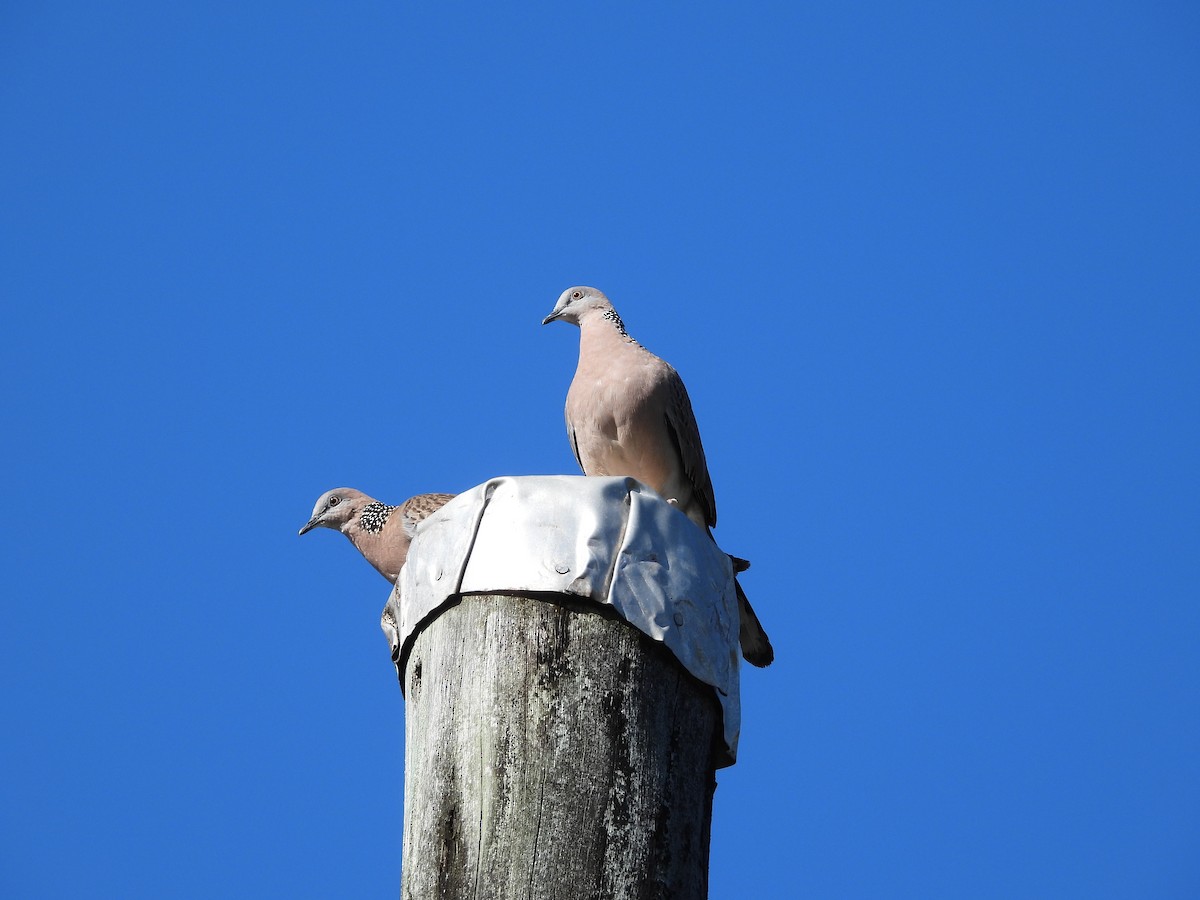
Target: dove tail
756	646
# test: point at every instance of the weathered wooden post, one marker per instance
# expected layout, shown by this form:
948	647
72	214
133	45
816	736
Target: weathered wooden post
568	652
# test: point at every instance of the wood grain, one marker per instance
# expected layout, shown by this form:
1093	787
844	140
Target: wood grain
555	752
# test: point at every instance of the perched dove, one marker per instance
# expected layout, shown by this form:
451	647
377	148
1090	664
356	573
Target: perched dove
628	413
381	533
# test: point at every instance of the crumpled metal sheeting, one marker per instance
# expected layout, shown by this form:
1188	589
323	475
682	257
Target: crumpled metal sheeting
611	540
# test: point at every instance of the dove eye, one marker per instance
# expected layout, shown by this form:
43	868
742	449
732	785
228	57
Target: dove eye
577	295
334	501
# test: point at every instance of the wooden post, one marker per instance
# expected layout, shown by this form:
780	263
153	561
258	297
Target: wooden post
553	751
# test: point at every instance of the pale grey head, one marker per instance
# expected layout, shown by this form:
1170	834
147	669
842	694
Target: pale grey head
337	509
576	302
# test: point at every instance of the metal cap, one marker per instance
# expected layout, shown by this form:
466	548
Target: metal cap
609	540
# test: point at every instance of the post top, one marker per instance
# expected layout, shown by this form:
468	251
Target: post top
609	540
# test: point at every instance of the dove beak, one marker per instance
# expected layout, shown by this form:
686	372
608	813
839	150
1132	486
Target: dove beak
550	318
310	524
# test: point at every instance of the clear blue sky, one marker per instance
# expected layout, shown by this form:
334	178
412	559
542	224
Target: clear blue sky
930	273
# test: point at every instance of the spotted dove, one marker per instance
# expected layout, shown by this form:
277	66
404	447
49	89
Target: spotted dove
628	414
381	533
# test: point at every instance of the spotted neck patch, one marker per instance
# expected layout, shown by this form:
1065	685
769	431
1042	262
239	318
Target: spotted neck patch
373	517
611	316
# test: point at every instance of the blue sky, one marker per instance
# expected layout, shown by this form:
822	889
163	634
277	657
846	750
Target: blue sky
929	271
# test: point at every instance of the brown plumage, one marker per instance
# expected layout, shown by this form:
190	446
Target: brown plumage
629	414
381	533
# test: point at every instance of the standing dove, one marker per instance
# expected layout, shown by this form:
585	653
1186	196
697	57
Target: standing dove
381	533
628	414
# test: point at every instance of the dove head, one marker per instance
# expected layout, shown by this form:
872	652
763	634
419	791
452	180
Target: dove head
574	303
337	509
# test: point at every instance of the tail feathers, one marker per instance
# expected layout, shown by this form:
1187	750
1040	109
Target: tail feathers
756	646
